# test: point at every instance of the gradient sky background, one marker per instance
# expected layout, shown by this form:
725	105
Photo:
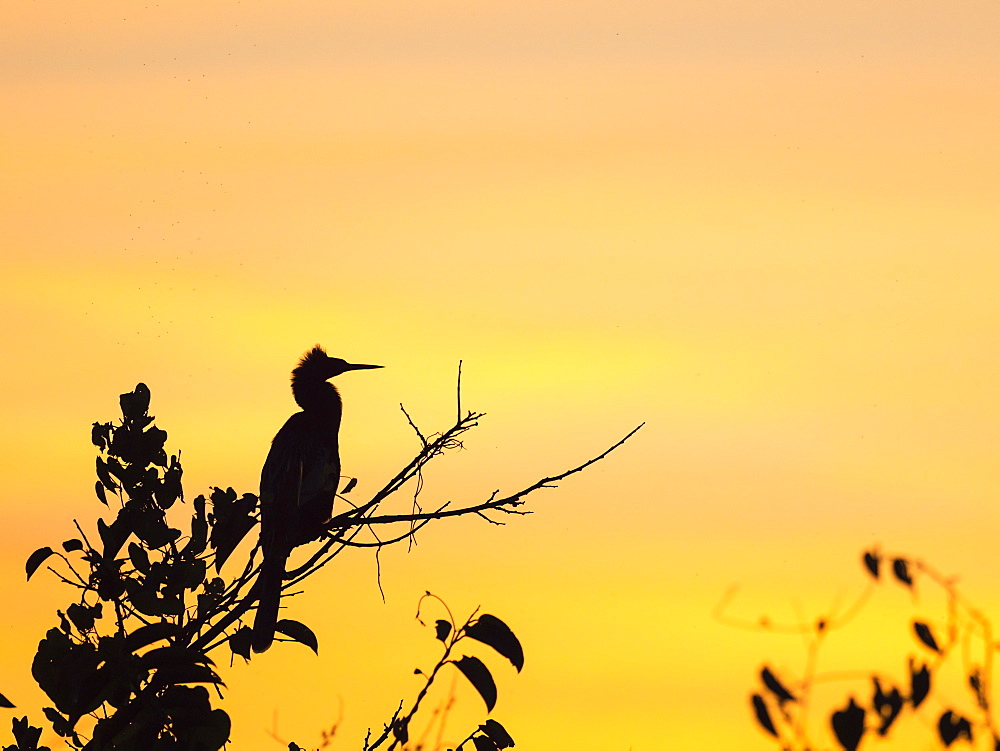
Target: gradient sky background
769	230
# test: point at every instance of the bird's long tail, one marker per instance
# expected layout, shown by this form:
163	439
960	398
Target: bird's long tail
272	572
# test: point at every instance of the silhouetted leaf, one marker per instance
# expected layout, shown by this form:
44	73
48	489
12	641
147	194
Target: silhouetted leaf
101	495
5	702
153	441
492	631
70	545
173	655
920	683
137	447
146	635
114	535
151	527
849	725
99	434
763	715
498	734
300	632
25	735
192	573
207	604
139	558
36	559
241	641
872	561
483	743
886	705
130	477
775	686
172	675
109	580
350	485
60	724
923	632
976	684
951	727
83	616
135	403
231	520
98	686
147	599
193	722
901	569
60	667
478	675
169	488
104	476
64	624
442	629
199	530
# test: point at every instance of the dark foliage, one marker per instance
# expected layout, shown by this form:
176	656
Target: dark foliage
489	736
963	635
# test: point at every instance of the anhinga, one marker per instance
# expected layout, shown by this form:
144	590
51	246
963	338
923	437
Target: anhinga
300	479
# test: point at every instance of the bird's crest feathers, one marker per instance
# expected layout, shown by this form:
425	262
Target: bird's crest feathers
316	355
316	363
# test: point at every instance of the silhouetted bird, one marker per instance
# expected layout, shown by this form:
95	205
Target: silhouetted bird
300	479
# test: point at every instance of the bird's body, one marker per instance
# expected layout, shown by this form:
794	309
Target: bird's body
299	481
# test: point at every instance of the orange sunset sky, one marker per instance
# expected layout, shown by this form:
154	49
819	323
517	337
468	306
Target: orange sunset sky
767	229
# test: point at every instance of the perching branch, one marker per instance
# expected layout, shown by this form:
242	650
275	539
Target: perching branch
346	526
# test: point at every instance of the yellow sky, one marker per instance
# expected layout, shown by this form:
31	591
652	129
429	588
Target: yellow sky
769	230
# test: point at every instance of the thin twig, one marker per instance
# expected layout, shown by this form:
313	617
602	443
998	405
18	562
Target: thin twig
458	413
413	425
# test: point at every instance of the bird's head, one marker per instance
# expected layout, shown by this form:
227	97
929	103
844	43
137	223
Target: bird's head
316	363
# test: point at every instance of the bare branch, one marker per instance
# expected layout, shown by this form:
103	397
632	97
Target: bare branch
507	504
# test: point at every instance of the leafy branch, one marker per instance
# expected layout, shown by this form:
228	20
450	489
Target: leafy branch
962	635
485	628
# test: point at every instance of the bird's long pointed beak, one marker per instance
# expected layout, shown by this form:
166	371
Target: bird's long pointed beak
353	366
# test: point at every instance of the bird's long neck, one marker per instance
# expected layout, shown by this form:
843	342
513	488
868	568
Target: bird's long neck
315	395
